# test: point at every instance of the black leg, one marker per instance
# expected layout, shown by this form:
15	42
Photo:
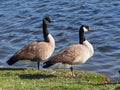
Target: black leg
72	72
38	64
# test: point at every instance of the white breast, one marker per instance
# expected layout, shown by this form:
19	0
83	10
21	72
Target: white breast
51	47
52	41
87	52
89	47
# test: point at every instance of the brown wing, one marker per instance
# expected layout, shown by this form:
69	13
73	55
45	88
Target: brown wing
68	54
27	52
30	52
33	50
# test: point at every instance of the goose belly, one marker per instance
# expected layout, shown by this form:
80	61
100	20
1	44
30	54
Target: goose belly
46	54
81	58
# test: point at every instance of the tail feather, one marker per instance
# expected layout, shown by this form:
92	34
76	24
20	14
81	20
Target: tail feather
53	60
48	64
12	60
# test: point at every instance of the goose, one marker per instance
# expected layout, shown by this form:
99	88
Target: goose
74	54
38	50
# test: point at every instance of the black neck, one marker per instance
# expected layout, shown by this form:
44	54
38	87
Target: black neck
45	32
81	36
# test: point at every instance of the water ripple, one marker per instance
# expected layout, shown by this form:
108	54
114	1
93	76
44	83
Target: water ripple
21	23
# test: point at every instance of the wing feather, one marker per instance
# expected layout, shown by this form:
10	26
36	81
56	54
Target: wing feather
68	54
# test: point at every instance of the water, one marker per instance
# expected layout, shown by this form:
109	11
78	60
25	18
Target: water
20	23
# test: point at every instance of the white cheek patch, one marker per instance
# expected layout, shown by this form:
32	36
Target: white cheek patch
85	29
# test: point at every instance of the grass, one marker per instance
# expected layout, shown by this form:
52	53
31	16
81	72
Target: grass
33	79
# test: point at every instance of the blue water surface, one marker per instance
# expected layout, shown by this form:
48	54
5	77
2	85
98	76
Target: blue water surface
21	23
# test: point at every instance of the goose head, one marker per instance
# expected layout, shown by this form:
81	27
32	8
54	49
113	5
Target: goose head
85	28
47	20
